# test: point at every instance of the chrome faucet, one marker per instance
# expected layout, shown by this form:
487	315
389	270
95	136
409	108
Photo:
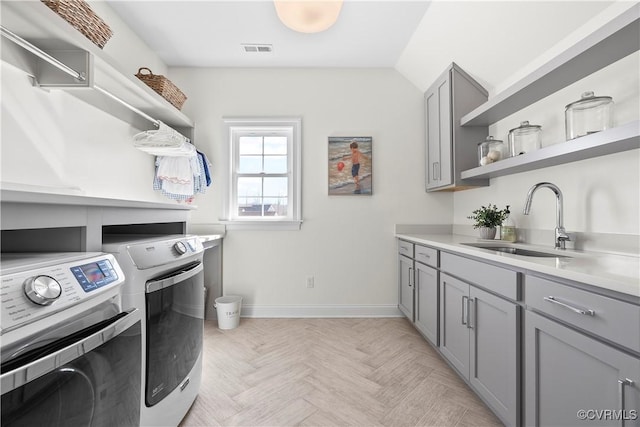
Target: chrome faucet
561	233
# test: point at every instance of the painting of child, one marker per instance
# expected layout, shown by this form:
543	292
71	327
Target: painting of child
350	160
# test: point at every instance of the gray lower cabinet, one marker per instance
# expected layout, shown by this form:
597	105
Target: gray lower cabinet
479	337
426	301
567	372
405	286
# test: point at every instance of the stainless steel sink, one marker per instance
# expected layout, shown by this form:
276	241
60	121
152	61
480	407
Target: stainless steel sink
515	251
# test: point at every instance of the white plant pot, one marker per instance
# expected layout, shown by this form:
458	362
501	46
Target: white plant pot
487	232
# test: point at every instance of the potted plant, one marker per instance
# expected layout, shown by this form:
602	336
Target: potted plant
486	219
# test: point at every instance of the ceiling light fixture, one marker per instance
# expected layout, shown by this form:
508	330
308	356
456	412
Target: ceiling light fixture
308	16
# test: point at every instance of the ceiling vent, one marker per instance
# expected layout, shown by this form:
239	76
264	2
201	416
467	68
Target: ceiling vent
259	48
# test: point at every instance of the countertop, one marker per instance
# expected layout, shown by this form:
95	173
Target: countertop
210	240
613	272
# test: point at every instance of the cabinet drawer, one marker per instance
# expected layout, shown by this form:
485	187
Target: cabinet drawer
405	248
425	255
496	279
614	320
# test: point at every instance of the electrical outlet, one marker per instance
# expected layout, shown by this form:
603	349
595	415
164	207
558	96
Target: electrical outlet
310	282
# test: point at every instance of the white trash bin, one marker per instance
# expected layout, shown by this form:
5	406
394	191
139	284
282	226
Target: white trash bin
228	309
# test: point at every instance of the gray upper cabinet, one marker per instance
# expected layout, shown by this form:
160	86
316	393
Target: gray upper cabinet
567	372
451	148
426	301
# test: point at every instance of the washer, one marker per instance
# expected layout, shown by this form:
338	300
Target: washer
165	281
70	353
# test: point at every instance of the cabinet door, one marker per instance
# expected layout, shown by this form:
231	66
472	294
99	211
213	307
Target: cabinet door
493	356
439	132
426	312
454	334
567	372
405	286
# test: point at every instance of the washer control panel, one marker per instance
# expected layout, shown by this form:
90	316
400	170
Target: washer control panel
95	274
33	290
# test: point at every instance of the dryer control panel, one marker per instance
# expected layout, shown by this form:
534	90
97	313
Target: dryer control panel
37	285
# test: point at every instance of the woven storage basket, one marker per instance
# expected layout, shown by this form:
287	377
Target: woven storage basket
80	15
163	86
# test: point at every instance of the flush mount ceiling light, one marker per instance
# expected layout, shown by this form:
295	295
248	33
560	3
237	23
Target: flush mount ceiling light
308	16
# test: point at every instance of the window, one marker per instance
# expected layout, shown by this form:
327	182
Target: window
264	173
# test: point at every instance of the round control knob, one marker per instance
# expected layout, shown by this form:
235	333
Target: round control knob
42	290
180	247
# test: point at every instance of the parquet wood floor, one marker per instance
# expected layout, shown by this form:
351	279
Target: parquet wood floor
329	372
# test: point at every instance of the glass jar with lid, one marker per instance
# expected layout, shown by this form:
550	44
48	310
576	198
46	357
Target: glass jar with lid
524	139
589	115
490	150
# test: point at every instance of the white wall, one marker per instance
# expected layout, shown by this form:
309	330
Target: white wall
499	43
600	195
346	242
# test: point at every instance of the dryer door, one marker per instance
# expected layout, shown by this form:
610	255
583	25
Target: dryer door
175	322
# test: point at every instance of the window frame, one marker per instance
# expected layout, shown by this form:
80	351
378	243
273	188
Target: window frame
235	127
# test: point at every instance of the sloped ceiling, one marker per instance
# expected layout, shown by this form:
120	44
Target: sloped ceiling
491	40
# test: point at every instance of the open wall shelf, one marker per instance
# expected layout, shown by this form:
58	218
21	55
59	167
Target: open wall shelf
36	23
610	141
617	39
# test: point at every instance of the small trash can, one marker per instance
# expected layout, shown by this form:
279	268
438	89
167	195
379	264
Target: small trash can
228	309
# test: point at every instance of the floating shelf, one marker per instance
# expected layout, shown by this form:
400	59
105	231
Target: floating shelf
610	141
615	40
35	22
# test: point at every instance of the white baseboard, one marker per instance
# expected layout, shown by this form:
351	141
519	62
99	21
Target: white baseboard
330	310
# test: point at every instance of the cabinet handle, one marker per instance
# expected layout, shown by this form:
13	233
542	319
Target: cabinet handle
470	303
410	276
621	385
424	255
436	167
584	311
465	306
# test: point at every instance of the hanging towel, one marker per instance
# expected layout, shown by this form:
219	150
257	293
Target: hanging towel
177	174
179	178
205	166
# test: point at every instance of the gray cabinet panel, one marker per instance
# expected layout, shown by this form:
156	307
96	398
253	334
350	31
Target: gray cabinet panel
613	320
567	371
405	286
438	131
499	280
425	255
451	148
479	337
494	352
405	248
426	307
454	334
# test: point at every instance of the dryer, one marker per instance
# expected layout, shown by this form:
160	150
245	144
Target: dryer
165	281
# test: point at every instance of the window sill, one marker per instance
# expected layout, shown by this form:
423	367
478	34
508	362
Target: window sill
262	225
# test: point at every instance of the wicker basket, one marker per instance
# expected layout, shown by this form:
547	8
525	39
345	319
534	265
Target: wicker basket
163	86
80	15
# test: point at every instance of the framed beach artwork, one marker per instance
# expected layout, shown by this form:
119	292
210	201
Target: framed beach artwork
350	160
